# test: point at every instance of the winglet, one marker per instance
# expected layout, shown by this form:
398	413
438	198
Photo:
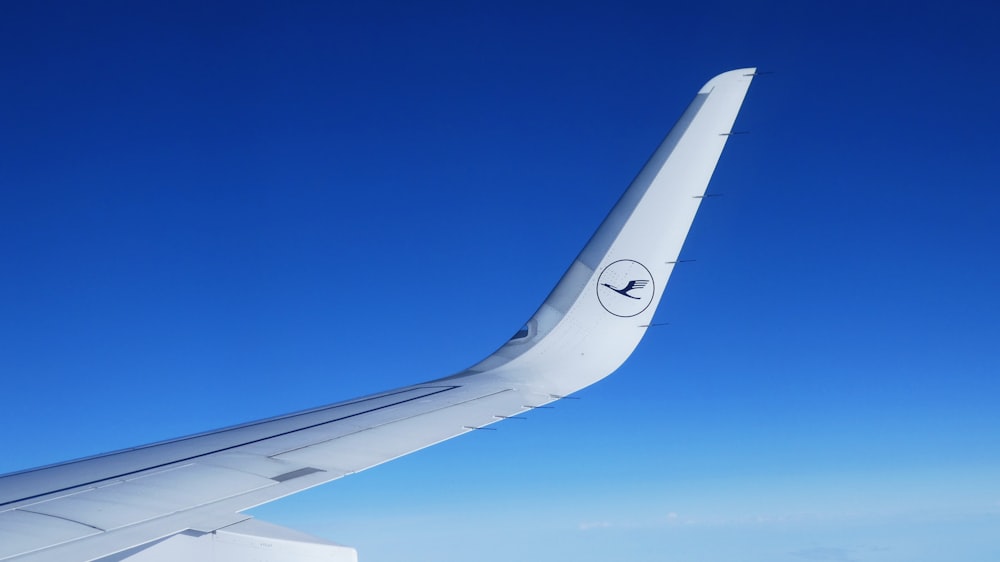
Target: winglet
600	309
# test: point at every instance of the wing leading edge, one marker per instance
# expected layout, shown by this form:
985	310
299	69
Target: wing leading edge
133	504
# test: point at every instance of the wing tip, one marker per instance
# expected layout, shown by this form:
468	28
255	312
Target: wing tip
732	76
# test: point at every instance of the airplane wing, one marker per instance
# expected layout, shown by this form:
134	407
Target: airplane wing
185	498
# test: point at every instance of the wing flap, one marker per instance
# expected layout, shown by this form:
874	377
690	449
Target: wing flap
269	436
25	532
259	465
147	497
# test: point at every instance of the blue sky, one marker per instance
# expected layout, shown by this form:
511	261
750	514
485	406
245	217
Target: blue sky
188	194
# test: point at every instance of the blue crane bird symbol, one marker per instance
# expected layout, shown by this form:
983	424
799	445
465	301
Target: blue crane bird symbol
632	285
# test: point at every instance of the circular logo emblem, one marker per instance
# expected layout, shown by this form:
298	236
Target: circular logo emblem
625	288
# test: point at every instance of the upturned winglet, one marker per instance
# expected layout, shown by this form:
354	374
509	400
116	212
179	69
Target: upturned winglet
600	309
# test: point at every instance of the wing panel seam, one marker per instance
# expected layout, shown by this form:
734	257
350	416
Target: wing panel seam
228	447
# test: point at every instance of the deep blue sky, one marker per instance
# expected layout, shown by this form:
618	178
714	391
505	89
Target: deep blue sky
212	214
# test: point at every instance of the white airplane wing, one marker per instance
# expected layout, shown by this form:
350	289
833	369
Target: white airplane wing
160	501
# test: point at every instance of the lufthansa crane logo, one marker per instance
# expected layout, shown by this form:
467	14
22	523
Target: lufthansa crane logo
631	285
625	288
